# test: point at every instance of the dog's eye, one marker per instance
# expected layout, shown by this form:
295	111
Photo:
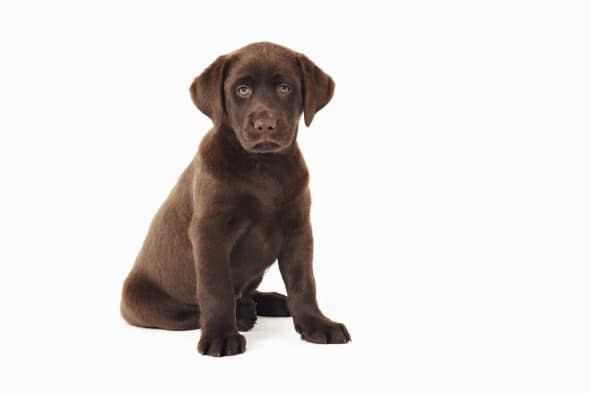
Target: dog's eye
284	88
243	91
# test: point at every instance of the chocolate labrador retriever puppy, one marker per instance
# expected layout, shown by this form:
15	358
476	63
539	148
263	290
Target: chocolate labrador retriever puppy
242	203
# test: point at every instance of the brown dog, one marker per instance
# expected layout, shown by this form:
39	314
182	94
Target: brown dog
242	203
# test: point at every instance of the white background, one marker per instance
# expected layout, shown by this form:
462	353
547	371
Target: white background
450	179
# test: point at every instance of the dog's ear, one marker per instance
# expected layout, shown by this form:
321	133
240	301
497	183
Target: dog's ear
318	88
207	90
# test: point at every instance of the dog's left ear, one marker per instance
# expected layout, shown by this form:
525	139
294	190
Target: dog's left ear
207	90
318	88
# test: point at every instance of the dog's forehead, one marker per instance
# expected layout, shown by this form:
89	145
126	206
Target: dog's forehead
263	60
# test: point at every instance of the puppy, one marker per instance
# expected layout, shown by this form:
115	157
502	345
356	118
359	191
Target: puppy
242	203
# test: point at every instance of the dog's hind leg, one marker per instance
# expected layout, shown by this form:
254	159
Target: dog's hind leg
271	304
253	303
146	305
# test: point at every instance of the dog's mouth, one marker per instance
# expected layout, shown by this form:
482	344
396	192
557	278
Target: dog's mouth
266	147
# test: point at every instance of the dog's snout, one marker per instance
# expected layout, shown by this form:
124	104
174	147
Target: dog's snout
265	125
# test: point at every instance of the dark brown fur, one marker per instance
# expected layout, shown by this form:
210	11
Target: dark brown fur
242	203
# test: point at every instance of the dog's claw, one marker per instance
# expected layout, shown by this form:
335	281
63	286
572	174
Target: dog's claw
323	331
222	345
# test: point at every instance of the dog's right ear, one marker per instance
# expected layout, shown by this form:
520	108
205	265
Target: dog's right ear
207	90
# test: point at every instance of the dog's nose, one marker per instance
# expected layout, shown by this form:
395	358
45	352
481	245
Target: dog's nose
265	125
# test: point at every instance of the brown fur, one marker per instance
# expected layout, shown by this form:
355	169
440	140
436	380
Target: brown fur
242	203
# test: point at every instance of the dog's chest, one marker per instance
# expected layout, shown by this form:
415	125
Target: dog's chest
256	249
259	214
263	198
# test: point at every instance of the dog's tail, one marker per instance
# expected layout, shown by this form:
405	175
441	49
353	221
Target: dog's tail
271	304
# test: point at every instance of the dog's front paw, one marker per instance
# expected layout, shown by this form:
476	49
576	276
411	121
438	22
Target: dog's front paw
322	331
222	344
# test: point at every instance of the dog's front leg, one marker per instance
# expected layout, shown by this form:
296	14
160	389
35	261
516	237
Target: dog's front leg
211	249
295	264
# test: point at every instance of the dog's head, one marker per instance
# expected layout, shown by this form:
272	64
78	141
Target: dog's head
260	92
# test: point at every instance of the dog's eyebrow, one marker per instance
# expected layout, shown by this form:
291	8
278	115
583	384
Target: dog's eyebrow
282	77
246	78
